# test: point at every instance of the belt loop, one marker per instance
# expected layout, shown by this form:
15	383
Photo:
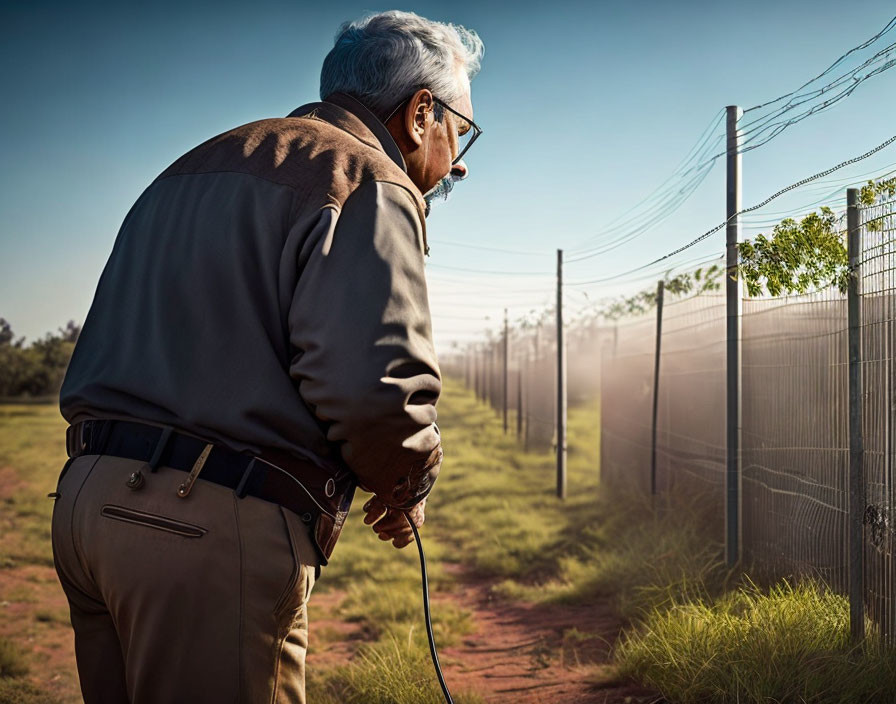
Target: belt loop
81	437
183	491
161	446
70	441
241	488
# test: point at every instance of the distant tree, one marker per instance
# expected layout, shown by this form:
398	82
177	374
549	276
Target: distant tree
38	369
70	332
12	361
6	335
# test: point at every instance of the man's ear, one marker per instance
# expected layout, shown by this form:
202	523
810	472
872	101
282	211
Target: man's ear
417	115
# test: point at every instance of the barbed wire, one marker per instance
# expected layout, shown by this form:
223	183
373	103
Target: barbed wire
752	131
723	224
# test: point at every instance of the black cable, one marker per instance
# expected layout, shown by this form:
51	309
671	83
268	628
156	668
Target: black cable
830	68
426	613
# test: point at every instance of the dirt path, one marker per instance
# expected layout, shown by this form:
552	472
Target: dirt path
520	653
526	653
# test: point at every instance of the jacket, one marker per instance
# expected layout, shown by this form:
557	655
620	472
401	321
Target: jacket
267	291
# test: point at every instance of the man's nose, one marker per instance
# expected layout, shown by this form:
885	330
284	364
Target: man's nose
459	171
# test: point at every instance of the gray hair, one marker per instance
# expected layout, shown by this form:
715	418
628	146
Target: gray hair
383	58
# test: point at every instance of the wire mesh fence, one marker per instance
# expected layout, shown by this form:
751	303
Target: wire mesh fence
878	290
795	439
795	408
691	426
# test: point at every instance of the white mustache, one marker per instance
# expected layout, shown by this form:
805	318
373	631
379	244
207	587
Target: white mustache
442	188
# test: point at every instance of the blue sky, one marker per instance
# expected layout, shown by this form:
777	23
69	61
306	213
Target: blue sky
586	108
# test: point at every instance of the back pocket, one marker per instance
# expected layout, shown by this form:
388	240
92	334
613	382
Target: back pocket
151	520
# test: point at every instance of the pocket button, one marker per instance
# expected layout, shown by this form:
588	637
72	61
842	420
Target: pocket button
135	481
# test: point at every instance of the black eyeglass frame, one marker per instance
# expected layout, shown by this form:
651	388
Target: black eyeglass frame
477	130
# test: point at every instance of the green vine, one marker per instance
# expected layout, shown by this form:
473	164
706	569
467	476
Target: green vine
696	282
869	194
804	256
797	257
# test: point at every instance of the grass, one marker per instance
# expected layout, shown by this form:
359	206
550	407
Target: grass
12	660
32	451
787	644
634	553
384	672
19	691
396	611
501	511
14	689
696	632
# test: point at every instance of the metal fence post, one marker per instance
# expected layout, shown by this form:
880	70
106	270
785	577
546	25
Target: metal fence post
475	354
733	368
561	385
856	438
486	373
491	375
506	354
530	367
660	288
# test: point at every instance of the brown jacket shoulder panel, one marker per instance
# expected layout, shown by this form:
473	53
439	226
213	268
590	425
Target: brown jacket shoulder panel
321	162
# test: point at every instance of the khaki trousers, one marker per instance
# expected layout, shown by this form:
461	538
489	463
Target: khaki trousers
196	599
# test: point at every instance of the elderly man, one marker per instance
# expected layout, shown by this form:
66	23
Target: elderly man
260	343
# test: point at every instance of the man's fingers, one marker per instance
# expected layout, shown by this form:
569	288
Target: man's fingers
371	517
374	509
395	534
399	538
392	522
403	542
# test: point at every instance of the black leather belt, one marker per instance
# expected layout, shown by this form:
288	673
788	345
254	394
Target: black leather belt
319	496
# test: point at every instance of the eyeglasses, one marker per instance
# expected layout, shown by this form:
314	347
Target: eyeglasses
467	130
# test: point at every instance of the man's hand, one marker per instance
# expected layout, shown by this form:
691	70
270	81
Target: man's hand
391	524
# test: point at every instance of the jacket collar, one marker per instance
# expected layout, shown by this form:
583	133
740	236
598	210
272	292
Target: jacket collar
349	114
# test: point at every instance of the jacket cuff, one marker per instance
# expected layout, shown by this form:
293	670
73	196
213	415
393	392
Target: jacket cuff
413	488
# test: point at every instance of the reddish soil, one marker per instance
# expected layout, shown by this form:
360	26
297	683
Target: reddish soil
331	640
527	653
520	653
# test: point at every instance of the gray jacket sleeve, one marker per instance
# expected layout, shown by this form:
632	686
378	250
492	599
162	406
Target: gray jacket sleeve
361	336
